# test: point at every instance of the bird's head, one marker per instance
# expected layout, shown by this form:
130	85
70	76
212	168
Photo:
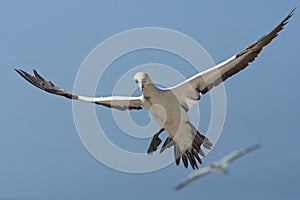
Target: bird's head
142	79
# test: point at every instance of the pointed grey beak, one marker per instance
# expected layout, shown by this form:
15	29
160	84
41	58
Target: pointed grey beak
142	84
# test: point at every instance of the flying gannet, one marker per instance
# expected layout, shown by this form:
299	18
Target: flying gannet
169	106
218	167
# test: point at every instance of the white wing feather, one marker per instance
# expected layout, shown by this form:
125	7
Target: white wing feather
117	102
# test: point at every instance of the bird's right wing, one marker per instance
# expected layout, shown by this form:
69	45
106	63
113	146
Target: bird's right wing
236	154
201	83
117	102
193	176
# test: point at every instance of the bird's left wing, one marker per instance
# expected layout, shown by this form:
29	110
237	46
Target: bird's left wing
236	154
117	102
203	82
193	176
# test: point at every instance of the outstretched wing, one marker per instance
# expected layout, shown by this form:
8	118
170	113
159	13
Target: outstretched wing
222	163
117	102
194	176
236	154
201	83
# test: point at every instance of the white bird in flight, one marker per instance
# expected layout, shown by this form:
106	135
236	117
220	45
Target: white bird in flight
218	167
169	106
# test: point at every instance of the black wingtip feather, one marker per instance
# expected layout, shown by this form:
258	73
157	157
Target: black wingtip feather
39	82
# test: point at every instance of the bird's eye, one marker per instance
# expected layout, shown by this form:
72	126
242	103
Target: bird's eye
136	81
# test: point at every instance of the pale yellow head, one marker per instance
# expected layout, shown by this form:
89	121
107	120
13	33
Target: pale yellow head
142	79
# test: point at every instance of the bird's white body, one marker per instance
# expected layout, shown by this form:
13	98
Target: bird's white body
167	111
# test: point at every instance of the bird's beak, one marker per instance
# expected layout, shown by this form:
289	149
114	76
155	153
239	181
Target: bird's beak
142	84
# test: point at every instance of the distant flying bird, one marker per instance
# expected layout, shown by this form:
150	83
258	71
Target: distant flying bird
169	106
218	167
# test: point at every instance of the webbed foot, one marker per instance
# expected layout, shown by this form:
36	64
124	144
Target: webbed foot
155	142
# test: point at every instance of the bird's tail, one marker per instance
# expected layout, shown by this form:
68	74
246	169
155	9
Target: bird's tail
191	155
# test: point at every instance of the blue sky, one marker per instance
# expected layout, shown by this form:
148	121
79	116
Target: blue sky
41	155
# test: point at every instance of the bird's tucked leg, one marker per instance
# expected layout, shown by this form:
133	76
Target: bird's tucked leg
155	142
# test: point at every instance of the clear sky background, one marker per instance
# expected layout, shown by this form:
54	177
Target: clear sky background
41	155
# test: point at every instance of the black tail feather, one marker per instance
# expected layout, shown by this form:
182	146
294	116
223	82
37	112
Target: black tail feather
191	155
184	160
